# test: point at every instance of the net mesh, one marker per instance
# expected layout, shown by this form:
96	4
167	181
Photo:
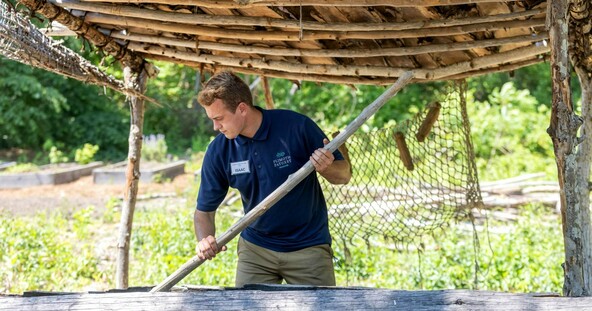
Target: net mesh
403	188
21	41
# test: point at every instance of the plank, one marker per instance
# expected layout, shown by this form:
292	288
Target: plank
299	298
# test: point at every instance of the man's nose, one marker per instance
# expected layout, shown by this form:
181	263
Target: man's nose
217	125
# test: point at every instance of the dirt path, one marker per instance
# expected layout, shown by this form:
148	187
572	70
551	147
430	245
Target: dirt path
78	194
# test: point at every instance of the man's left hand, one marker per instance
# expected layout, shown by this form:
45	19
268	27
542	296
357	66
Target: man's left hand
322	158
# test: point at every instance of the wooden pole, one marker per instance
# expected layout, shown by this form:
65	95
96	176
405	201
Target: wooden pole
310	35
107	44
147	40
287	186
221	20
564	134
138	82
268	97
234	4
343	70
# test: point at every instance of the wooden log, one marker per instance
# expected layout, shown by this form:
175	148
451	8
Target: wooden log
82	28
404	153
295	25
498	68
340	70
426	126
267	90
231	4
287	186
310	35
290	52
344	79
512	180
295	298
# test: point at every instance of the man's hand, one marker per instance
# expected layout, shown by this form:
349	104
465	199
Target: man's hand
207	248
322	158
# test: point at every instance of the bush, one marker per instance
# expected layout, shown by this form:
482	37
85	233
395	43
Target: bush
86	154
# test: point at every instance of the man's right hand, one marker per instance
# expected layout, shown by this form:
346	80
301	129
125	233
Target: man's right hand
207	248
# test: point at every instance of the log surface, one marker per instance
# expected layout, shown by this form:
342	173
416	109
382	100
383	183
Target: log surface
286	297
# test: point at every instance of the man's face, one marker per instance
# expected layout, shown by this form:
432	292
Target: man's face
228	123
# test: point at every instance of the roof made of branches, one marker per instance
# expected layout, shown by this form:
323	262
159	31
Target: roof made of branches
348	41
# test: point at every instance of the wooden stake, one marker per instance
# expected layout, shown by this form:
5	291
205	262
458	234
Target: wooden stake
404	153
268	98
428	122
287	186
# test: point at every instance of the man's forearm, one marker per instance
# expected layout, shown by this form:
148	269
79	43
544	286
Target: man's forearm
204	224
338	172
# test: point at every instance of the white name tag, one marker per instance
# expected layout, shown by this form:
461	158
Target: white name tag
241	167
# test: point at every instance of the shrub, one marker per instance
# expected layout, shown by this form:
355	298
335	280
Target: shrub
86	154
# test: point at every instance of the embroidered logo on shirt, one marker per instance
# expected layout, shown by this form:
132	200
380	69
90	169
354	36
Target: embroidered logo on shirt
282	160
241	167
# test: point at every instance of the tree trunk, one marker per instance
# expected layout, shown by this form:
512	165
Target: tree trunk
563	131
138	82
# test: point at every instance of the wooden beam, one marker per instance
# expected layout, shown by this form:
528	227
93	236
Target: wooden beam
278	35
294	25
78	25
350	53
349	70
515	55
498	68
347	79
231	4
279	74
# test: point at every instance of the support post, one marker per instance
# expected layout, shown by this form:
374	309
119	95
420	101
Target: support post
563	130
267	89
138	82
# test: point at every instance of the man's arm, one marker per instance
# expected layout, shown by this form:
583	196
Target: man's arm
204	224
335	172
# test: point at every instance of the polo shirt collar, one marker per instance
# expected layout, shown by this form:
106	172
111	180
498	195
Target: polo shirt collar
263	130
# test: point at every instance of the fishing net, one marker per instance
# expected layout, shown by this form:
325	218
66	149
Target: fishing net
408	180
21	41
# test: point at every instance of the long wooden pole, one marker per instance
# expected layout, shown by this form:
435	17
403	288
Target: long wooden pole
287	186
218	20
233	4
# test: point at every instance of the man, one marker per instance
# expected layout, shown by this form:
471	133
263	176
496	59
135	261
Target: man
257	151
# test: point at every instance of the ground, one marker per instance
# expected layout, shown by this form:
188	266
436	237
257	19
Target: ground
81	193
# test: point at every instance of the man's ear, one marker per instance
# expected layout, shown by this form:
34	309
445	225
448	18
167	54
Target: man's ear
242	107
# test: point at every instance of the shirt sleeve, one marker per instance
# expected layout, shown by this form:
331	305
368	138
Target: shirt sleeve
214	184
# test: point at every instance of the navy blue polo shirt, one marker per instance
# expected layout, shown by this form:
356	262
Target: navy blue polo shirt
257	166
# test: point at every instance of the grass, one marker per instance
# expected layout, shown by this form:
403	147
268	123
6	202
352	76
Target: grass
76	252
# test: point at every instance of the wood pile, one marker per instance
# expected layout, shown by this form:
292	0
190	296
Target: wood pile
517	191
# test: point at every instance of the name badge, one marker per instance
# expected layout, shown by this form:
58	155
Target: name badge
241	167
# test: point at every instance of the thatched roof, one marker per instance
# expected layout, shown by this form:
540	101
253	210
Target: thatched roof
369	42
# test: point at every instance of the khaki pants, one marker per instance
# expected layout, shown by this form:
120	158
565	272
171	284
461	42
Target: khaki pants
309	266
